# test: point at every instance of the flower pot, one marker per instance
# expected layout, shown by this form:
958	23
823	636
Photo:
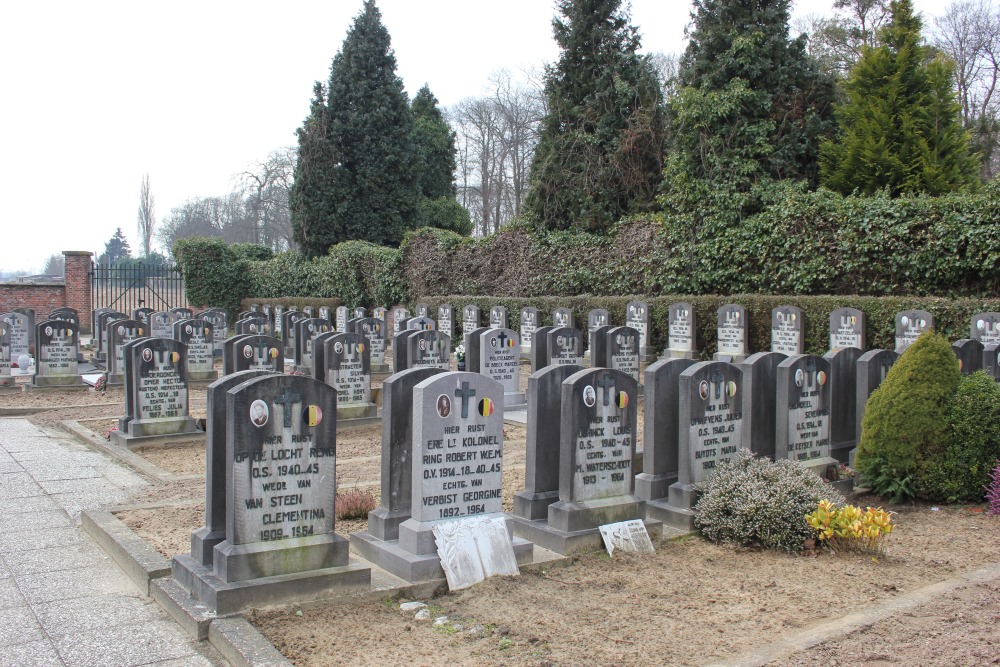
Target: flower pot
461	365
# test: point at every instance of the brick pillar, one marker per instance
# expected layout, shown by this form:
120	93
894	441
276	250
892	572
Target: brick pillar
78	285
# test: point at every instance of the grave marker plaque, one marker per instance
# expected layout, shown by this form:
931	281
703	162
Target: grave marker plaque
803	419
986	328
637	317
847	329
564	347
471	319
17	331
199	337
681	331
57	345
787	330
529	324
562	317
622	352
731	333
446	319
500	360
909	325
499	318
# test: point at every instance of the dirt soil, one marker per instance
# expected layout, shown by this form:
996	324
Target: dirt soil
691	603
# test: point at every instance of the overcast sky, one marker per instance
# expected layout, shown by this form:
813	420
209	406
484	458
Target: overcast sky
96	94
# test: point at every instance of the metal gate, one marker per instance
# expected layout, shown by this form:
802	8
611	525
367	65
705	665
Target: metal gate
126	288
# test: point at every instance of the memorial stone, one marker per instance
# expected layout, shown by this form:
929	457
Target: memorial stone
29	313
288	320
473	349
341	322
6	379
256	325
564	347
970	355
843	400
598	317
637	317
252	353
254	307
802	424
324	314
499	319
562	317
986	328
181	314
400	358
380	314
57	344
446	319
422	310
681	331
529	323
622	351
360	313
471	320
120	333
309	311
787	330
199	337
428	348
873	366
500	360
909	325
17	330
660	428
347	368
847	329
760	382
100	326
990	362
399	316
599	346
219	320
67	315
373	329
538	354
419	324
306	331
279	312
161	325
731	333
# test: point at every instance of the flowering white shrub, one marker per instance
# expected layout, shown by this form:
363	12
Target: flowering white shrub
754	501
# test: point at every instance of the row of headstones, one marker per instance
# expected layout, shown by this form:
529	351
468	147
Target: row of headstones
55	341
278	320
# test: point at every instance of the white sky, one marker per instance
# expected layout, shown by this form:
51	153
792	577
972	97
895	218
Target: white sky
95	94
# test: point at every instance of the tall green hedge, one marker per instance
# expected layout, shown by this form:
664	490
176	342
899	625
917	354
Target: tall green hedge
215	273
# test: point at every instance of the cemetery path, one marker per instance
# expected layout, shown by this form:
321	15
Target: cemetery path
62	600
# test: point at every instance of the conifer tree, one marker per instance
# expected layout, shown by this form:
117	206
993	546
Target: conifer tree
314	225
900	125
600	144
435	145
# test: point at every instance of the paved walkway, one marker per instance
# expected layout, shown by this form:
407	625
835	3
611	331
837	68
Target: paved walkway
63	601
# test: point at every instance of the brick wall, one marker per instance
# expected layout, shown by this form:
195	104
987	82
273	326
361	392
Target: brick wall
78	286
74	292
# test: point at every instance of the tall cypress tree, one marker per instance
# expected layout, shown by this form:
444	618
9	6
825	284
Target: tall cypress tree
362	181
900	126
600	145
435	144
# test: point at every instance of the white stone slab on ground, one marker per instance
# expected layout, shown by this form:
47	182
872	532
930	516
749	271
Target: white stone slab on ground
473	549
628	536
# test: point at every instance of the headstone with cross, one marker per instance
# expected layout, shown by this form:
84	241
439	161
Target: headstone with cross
360	313
6	379
499	319
373	329
346	366
731	333
142	315
562	317
711	430
288	320
909	325
621	350
500	359
57	345
16	325
120	333
843	400
277	322
681	343
419	323
637	317
873	367
380	313
802	424
471	319
310	311
760	382
529	324
220	323
985	328
564	347
30	314
340	319
969	352
446	319
788	333
399	317
252	353
161	324
67	315
256	324
847	328
421	310
428	348
305	332
199	337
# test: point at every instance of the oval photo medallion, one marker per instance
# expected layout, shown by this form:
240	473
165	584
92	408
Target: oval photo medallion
259	413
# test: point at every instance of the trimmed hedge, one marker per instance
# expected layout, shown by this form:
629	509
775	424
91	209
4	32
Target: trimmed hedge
216	273
297	302
952	317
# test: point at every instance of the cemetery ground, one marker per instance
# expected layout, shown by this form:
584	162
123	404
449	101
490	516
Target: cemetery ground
691	603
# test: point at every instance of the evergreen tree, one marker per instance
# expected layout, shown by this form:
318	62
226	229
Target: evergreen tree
115	249
435	145
600	144
359	178
900	124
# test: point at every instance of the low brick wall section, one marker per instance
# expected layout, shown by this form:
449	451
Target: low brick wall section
43	298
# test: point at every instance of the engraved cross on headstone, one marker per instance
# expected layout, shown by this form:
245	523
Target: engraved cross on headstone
717	381
286	401
886	365
465	394
810	373
503	337
606	382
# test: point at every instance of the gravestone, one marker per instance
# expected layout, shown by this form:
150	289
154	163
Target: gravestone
787	330
156	394
399	316
161	324
562	317
17	331
473	349
873	366
101	328
661	403
499	319
710	431
428	348
278	314
760	379
306	331
421	310
909	325
318	368
347	368
120	333
541	470
843	400
446	319
342	317
57	348
990	362
204	539
538	354
268	310
596	456
637	317
802	424
681	332
731	333
29	313
360	313
182	314
500	360
970	355
67	315
471	320
418	324
256	325
254	307
324	314
220	322
380	313
373	329
199	337
564	347
400	358
597	317
529	324
599	346
309	311
622	351
847	328
252	353
985	328
6	379
280	543
288	321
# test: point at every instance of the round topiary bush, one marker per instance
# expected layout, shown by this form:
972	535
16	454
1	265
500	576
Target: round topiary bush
962	471
755	501
904	431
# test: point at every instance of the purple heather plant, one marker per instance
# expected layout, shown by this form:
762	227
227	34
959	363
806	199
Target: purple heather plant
993	492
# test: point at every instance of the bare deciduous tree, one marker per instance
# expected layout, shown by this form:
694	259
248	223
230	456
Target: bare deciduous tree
837	41
265	188
146	216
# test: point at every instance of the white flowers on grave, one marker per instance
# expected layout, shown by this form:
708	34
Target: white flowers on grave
460	352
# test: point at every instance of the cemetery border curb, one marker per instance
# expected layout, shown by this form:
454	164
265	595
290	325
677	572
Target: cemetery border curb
120	454
864	618
137	559
27	411
243	645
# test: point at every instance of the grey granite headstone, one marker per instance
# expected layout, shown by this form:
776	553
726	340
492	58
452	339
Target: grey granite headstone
101	328
182	313
847	328
538	354
341	317
596	318
199	338
325	314
400	355
120	333
731	333
500	360
446	319
471	341
499	319
760	382
6	379
288	320
399	316
161	324
419	323
254	353
802	424
142	315
970	355
29	313
57	344
843	400
909	325
277	315
360	313
220	322
564	347
622	350
156	390
347	363
67	315
17	329
255	325
637	317
309	311
562	317
373	329
428	348
660	428
471	319
380	313
422	310
305	332
529	324
991	362
598	350
254	307
985	328
873	366
787	330
681	341
541	470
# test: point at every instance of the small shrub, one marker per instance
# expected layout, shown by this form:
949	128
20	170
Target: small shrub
848	529
354	504
754	501
904	431
993	491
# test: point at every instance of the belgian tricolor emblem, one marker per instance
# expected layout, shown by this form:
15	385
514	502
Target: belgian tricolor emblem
621	400
175	357
486	407
312	415
273	352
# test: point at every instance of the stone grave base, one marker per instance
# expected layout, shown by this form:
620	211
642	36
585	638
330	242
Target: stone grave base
653	487
569	542
116	379
203	377
575	526
678	354
515	400
533	506
164	426
73	383
729	358
381	369
123	439
661	510
229	598
356	411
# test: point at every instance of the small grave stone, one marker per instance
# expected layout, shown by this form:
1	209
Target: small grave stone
471	320
681	331
268	310
57	344
288	322
324	314
380	313
660	428
500	360
562	317
254	307
360	313
970	355
787	330
843	400
599	346
637	317
473	349
909	325
710	430
17	330
199	337
399	316
529	324
309	311
373	329
991	364
419	324
347	368
100	326
428	348
220	322
541	470
598	317
6	379
622	351
564	347
342	317
731	333
446	319
29	313
306	331
161	325
120	333
182	314
802	425
67	315
499	319
986	328
847	328
760	379
278	314
473	549
256	325
538	354
873	366
421	310
400	358
252	353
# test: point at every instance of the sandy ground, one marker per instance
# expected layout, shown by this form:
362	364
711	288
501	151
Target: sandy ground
691	603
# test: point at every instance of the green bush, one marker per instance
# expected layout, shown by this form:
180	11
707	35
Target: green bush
755	501
973	448
445	213
215	274
904	431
